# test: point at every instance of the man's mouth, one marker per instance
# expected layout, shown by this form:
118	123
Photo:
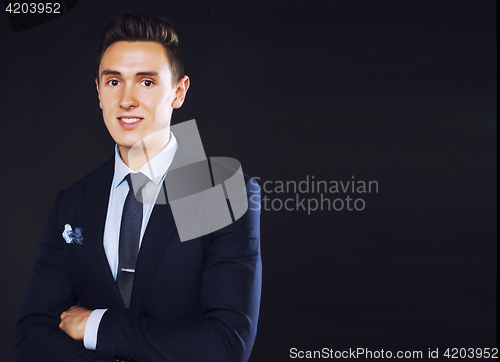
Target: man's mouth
129	120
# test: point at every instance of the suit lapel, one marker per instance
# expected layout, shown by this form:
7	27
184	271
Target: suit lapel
159	232
95	210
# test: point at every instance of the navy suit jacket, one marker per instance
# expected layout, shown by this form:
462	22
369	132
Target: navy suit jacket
196	300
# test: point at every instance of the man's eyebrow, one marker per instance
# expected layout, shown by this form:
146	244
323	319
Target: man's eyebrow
115	72
150	73
110	72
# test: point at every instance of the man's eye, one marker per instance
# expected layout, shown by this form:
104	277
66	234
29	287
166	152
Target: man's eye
113	82
147	83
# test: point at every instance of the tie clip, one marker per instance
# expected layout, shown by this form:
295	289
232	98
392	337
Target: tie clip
128	270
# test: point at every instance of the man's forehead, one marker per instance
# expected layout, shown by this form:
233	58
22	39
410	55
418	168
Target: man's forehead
135	57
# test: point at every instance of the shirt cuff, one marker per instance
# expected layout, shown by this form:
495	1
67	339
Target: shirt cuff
91	328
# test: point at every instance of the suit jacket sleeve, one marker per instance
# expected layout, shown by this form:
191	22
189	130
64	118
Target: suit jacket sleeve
49	293
231	287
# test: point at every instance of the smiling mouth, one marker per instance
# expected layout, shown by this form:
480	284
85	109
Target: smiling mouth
130	120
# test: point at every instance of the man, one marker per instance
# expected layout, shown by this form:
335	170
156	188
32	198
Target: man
113	280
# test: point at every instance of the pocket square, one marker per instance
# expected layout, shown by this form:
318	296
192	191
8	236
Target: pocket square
73	237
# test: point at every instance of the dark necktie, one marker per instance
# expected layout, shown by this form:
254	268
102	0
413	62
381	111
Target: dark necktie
130	233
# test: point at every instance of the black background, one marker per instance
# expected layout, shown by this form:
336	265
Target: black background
401	92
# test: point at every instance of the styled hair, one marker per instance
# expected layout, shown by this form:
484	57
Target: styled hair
138	26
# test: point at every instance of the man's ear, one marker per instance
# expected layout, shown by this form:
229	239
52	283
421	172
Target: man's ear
98	94
180	92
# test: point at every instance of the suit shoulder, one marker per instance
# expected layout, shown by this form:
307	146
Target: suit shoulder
102	174
251	185
223	168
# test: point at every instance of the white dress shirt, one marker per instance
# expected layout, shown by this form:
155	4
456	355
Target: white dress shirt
155	170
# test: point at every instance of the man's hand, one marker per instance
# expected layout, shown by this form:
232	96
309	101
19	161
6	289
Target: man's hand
73	322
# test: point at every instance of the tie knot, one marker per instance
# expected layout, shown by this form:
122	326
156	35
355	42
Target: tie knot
136	181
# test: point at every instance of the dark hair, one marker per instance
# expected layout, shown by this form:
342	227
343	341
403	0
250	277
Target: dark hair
138	26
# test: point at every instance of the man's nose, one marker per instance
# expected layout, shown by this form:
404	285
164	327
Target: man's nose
129	98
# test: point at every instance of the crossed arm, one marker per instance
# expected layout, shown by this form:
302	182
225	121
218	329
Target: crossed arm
51	326
73	322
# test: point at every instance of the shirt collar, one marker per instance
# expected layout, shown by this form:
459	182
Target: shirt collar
154	169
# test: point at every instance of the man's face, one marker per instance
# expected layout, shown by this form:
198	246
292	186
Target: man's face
135	91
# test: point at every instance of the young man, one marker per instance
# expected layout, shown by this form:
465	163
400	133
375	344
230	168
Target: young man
113	280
